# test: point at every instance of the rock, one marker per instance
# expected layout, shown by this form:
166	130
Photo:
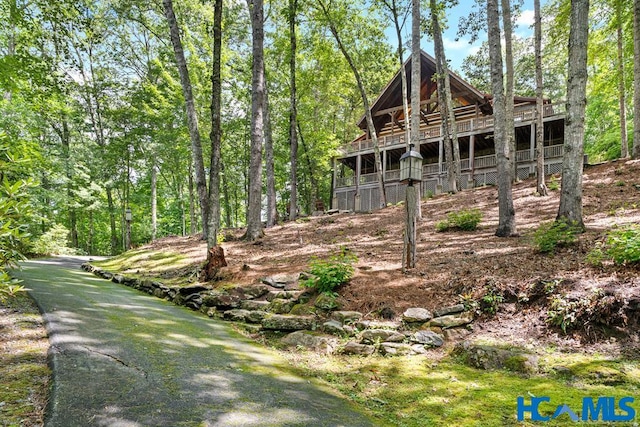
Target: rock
369	336
327	302
428	338
221	300
418	349
282	322
193	301
254	305
289	281
416	315
271	295
303	310
372	324
452	320
349	330
106	275
191	289
118	278
311	340
353	347
255	291
395	349
332	211
256	316
236	315
281	306
455	334
333	327
490	357
346	317
458	308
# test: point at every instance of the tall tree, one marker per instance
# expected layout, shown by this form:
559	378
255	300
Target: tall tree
506	211
416	86
636	79
373	134
269	162
445	101
622	98
508	58
293	112
254	208
541	187
192	116
571	192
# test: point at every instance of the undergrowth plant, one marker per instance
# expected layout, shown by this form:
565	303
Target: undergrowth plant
327	275
552	235
463	220
623	245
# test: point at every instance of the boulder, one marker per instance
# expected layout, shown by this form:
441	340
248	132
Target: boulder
374	324
303	310
353	347
346	317
255	291
220	300
395	349
327	302
452	320
458	308
491	357
427	338
256	316
281	306
254	305
369	336
282	322
118	278
333	327
455	334
237	315
312	341
289	281
191	289
416	315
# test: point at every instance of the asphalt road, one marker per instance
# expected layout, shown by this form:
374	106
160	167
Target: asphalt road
122	358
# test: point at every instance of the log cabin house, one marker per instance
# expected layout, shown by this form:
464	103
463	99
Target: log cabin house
355	180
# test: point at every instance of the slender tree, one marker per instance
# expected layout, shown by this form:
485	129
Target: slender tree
192	116
636	79
571	192
254	209
269	162
293	111
541	187
416	85
622	98
506	211
508	59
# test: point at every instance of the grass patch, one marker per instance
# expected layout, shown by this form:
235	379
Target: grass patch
416	391
23	363
145	263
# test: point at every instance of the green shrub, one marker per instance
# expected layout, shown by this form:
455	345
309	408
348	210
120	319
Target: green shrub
623	245
53	242
555	234
553	184
331	273
463	220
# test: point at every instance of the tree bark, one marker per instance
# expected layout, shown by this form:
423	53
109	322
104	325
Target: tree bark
409	253
269	162
506	211
541	187
365	100
193	221
572	165
508	55
293	112
154	201
416	83
192	117
112	221
254	207
636	79
622	97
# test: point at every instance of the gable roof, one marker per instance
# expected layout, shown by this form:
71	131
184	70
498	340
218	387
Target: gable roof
391	96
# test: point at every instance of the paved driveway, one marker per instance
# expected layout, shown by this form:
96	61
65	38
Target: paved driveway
122	358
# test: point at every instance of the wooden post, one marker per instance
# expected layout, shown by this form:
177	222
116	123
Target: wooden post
472	166
409	253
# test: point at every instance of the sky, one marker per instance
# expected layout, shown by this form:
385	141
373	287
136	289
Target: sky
457	50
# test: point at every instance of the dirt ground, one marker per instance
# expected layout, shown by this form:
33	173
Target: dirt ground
452	264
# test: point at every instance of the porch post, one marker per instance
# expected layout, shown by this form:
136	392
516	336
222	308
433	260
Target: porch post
334	195
440	170
472	154
532	150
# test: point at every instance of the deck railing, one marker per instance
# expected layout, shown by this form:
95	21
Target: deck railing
521	114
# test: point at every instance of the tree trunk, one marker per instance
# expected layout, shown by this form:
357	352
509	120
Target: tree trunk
409	253
192	117
508	55
365	100
447	115
572	164
636	79
269	162
541	187
506	211
293	112
154	201
254	207
112	221
624	144
393	8
416	82
193	221
226	198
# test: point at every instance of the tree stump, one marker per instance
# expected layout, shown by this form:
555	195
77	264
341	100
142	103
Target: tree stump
215	261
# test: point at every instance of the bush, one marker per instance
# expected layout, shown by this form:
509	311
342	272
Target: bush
623	245
331	273
463	220
551	235
53	242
